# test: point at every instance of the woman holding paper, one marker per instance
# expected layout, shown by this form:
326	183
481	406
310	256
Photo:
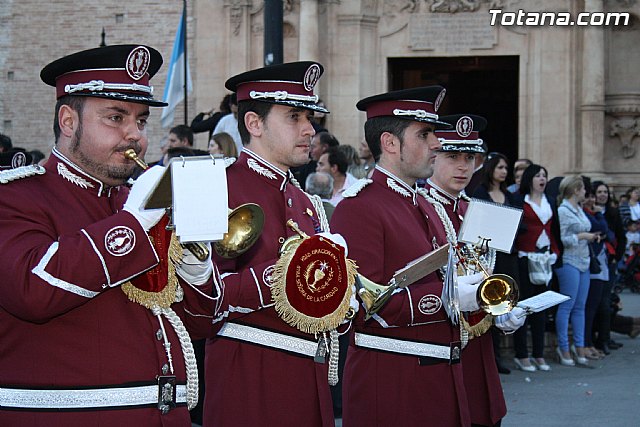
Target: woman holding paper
537	246
573	276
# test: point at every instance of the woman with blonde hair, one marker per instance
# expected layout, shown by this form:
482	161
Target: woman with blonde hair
573	275
222	143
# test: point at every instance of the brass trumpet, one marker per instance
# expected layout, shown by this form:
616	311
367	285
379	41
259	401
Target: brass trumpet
245	226
497	293
373	295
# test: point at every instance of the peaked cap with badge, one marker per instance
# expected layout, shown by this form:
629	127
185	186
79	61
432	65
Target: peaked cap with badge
418	104
464	135
285	84
120	72
14	158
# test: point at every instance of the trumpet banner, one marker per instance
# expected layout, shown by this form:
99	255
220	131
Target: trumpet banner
157	287
313	284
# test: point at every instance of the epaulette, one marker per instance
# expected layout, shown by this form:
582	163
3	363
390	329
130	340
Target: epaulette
356	187
228	161
21	172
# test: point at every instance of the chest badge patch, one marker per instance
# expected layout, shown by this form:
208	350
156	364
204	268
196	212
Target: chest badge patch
120	240
429	304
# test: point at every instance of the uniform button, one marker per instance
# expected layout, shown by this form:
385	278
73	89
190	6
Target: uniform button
289	203
165	369
159	334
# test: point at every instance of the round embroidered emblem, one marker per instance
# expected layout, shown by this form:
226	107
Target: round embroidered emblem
464	126
429	304
138	62
18	159
120	240
311	77
439	99
267	275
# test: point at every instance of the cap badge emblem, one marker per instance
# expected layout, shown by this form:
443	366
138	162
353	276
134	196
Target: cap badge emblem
138	62
311	77
439	100
464	126
18	159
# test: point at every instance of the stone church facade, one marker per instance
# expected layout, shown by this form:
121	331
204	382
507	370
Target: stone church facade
567	97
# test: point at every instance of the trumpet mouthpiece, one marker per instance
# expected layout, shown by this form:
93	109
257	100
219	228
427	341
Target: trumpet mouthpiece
131	155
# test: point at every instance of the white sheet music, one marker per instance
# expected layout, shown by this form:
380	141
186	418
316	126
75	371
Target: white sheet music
542	301
200	200
490	221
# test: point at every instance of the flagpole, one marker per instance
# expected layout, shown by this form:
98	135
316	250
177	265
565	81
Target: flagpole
186	59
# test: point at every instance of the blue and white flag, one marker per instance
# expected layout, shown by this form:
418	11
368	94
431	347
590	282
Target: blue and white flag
174	88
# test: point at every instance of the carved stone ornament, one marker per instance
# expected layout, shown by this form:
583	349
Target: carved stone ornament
626	128
453	6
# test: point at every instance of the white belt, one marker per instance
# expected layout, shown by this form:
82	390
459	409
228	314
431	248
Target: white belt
87	398
269	339
446	352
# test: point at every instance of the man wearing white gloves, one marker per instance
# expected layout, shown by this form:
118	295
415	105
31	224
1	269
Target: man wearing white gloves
407	354
92	314
260	370
452	171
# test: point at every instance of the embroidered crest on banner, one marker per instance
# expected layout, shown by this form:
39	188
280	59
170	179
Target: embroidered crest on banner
311	77
138	62
464	126
260	169
439	99
120	240
267	275
395	187
73	178
429	304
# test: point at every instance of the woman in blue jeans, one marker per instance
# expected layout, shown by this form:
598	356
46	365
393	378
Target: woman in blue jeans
573	276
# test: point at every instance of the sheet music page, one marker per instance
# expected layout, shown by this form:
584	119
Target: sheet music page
542	301
490	221
200	199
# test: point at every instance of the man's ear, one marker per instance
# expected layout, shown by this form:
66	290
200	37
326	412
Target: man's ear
253	123
389	143
68	120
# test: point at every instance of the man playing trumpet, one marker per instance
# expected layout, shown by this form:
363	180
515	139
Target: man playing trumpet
452	171
403	364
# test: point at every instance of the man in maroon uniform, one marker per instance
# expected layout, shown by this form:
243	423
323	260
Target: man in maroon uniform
402	366
76	349
260	370
452	171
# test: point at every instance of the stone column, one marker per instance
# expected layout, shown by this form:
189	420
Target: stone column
308	31
591	146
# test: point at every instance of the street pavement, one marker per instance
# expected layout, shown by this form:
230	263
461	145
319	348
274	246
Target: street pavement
605	394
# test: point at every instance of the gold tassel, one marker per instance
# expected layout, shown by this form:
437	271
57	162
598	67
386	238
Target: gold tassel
479	328
166	296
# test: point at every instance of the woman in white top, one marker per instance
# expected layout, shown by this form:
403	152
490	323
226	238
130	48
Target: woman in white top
573	276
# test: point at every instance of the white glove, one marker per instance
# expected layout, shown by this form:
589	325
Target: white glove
192	270
139	192
511	321
337	239
467	289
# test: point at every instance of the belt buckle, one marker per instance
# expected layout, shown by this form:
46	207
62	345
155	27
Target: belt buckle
454	352
166	393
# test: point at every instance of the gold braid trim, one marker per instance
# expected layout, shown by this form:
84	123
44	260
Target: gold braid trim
300	321
166	296
479	328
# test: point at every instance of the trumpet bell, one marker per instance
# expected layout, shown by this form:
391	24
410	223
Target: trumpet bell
245	226
497	294
373	295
